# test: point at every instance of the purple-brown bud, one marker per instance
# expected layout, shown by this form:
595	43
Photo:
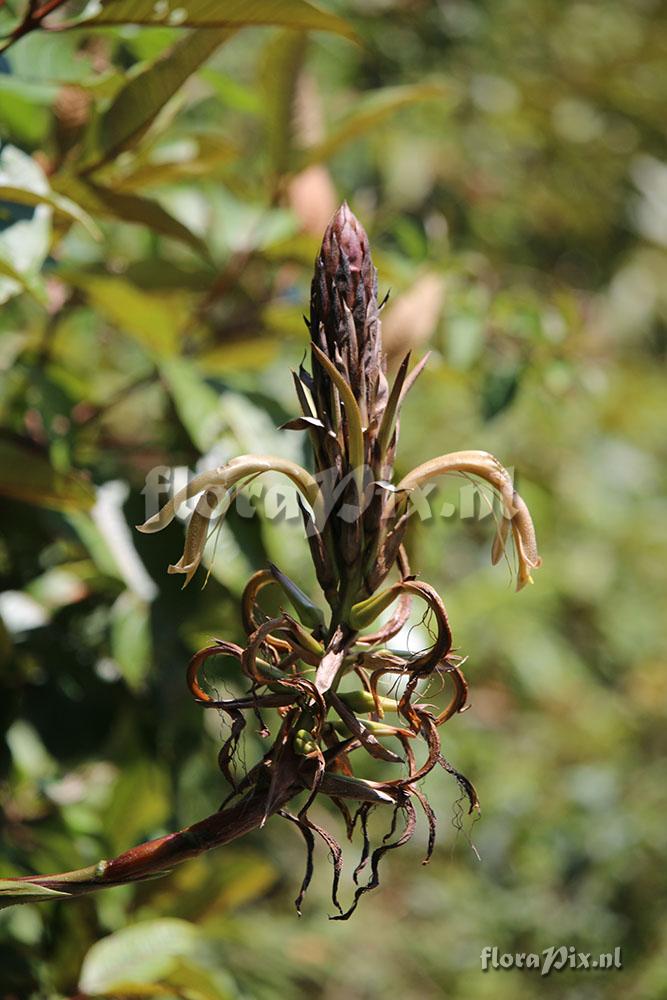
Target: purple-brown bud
344	321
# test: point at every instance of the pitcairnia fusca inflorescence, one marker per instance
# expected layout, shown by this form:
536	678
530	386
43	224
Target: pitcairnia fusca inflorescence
328	672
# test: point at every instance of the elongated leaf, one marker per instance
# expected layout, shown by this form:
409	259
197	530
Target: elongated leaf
23	182
197	403
130	208
387	424
309	613
222	14
356	434
370	111
131	638
208	154
26	474
154	320
135	108
62	206
282	62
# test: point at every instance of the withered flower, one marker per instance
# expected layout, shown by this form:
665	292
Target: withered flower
322	670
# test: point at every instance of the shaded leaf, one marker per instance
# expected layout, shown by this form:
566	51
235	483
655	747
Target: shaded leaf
498	390
139	806
222	14
26	474
131	642
136	106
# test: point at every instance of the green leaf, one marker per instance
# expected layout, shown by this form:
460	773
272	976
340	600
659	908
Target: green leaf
155	321
22	282
309	613
24	245
197	403
281	65
141	953
25	109
222	14
23	182
26	474
45	57
202	159
131	642
140	804
370	111
131	208
137	105
499	388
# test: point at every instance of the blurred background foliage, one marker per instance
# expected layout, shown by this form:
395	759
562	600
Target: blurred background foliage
162	190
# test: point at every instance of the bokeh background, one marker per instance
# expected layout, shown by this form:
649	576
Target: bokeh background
162	191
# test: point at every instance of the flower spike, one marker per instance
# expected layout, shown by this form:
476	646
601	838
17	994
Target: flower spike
319	679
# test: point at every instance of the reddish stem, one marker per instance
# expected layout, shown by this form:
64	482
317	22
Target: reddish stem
158	856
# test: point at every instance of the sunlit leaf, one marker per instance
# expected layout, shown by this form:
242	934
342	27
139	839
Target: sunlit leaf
26	474
199	156
130	208
222	14
283	59
22	181
136	106
153	320
17	282
141	953
197	403
370	110
43	58
189	979
24	245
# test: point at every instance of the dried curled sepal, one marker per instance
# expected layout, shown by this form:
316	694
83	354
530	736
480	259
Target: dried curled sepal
516	515
238	469
196	536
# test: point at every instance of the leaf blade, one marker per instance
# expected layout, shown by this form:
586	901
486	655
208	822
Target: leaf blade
131	208
136	106
228	13
372	109
27	475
